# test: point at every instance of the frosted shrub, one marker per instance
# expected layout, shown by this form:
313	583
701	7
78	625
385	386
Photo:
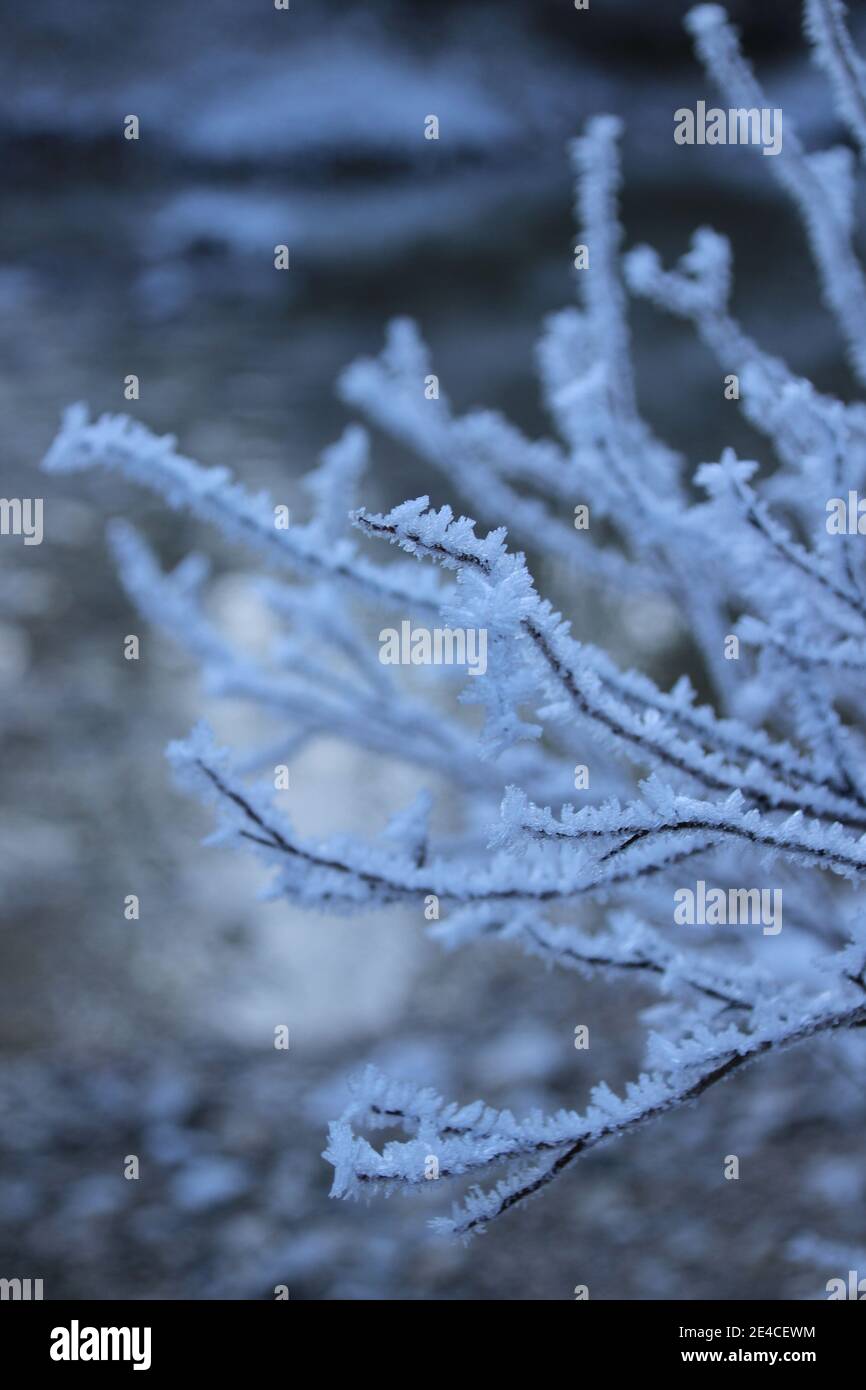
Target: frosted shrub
687	804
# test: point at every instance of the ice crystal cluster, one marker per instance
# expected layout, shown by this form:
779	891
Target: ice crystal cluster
765	784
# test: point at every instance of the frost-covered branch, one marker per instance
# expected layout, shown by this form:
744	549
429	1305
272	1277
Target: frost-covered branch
500	596
663	814
119	444
628	948
767	768
344	874
820	185
539	1149
836	55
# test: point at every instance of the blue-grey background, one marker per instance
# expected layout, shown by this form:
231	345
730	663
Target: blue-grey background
155	1038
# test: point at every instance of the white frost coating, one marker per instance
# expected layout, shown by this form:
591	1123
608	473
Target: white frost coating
763	783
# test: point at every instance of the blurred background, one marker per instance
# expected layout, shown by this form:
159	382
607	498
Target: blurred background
155	257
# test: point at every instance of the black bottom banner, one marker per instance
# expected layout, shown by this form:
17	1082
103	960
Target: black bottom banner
159	1338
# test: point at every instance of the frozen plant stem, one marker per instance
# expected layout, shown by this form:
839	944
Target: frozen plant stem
771	773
